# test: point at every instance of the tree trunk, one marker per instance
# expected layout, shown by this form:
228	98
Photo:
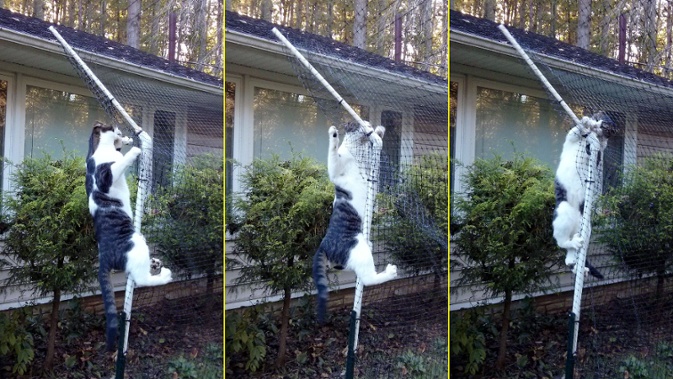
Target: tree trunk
38	9
267	10
650	8
284	326
53	326
360	24
133	24
489	10
502	351
583	23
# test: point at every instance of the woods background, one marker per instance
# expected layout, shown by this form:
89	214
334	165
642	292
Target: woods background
647	25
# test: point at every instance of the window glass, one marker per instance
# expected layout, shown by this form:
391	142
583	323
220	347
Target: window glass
230	102
57	119
3	122
287	122
509	123
453	106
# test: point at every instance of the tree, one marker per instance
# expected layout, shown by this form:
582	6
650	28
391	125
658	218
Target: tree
504	239
50	243
360	24
282	217
584	24
186	222
636	223
133	24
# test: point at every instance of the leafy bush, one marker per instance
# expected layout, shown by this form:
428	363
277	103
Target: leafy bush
468	342
282	216
186	223
50	243
16	342
636	223
505	243
243	337
415	217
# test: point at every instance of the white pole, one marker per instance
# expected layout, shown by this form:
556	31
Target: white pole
320	78
83	66
537	72
585	231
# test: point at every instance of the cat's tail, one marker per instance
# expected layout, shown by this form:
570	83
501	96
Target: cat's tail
111	323
320	279
593	271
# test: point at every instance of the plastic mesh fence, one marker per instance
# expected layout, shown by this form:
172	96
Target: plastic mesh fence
626	316
410	223
182	219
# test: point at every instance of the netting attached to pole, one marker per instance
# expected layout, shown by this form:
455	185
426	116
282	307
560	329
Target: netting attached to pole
179	179
409	224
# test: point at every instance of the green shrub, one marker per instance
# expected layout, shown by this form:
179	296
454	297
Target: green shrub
415	217
468	343
187	220
283	214
505	242
16	342
243	337
50	243
636	222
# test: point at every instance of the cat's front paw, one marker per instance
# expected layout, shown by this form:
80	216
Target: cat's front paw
134	152
577	242
571	258
333	132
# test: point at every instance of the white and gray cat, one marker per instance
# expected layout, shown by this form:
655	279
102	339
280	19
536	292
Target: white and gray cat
344	243
570	184
120	247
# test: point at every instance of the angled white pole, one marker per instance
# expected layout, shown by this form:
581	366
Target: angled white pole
321	79
537	72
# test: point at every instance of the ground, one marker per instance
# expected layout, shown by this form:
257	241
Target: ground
172	339
392	344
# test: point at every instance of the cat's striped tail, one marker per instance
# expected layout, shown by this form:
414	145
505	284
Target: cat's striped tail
320	279
111	322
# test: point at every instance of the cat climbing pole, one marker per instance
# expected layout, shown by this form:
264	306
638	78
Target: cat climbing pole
592	183
116	111
369	161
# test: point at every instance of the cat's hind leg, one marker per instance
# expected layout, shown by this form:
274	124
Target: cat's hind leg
139	265
362	262
566	227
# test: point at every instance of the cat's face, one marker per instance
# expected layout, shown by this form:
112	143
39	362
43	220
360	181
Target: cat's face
607	127
106	134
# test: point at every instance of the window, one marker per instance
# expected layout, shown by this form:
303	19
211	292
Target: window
55	117
163	146
3	123
230	101
453	118
285	122
509	123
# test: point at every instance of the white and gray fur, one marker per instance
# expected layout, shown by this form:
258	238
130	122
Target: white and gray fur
570	184
344	243
120	247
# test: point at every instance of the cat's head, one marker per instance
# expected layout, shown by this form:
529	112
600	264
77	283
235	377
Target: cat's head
106	135
353	128
606	127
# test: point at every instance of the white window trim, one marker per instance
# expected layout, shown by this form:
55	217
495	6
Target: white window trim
10	124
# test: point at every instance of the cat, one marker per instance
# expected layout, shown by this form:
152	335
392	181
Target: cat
569	185
344	243
120	247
